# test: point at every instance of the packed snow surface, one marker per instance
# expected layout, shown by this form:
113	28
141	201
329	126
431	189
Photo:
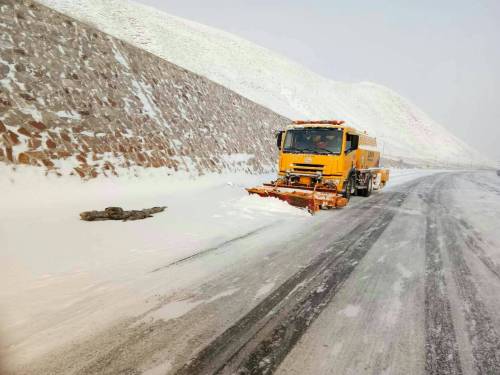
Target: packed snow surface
149	294
58	272
403	130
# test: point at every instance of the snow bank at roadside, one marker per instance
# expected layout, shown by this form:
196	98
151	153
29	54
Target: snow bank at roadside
41	228
64	270
200	212
42	212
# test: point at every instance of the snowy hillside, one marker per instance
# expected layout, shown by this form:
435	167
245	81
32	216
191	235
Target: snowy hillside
74	100
275	82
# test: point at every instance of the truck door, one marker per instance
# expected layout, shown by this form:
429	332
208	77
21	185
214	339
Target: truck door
351	145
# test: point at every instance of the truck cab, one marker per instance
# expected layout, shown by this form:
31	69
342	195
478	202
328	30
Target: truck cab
326	152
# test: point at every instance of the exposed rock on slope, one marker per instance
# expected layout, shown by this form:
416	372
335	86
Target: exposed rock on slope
76	100
277	83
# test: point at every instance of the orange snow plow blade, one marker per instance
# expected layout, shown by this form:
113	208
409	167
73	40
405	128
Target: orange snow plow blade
310	198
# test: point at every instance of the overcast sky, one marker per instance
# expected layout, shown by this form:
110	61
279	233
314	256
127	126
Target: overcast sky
444	55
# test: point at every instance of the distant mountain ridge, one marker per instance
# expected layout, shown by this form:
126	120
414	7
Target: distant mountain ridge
404	131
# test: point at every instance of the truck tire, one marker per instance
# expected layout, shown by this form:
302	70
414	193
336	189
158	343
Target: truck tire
369	188
349	188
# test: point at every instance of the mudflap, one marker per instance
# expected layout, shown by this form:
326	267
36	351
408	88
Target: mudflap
312	200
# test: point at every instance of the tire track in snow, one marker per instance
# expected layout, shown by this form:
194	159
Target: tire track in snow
441	345
260	340
475	243
472	238
482	333
214	248
481	330
441	349
484	185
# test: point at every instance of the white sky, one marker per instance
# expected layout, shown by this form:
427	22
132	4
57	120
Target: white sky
443	55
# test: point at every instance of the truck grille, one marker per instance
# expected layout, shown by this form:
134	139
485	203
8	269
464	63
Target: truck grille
308	168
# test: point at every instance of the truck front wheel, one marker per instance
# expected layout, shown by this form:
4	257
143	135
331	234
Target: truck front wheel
349	188
369	188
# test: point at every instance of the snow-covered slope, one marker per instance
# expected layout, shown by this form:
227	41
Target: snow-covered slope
275	82
74	100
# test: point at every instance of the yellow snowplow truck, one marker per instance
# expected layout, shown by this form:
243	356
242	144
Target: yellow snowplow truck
322	164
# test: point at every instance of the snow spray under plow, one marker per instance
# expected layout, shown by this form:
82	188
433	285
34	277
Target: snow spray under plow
313	199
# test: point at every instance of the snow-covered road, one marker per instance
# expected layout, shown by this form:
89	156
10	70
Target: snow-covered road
406	281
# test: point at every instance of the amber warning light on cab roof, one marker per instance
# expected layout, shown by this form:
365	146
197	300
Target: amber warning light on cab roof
331	122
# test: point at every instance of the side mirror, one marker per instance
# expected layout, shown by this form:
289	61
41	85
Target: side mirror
279	138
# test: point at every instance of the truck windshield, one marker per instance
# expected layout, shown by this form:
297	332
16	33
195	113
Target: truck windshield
313	141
